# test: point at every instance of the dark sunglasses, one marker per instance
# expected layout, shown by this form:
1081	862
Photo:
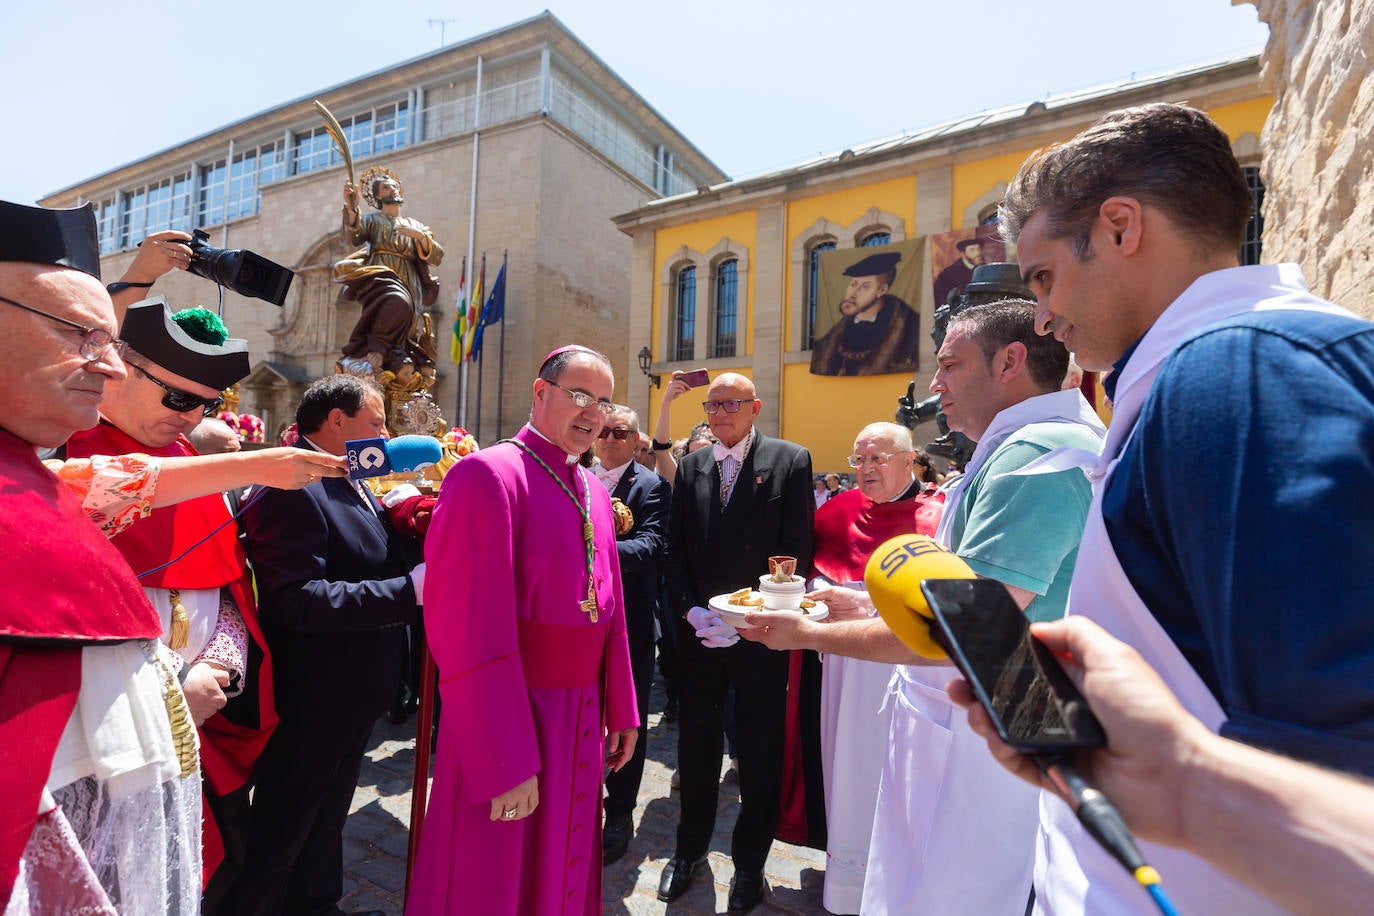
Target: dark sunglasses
182	401
620	434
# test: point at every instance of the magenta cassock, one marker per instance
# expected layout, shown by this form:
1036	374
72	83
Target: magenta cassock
528	684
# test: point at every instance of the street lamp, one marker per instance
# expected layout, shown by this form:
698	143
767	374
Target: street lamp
646	359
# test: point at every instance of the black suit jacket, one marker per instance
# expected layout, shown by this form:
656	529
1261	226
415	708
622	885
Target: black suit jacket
334	596
648	497
713	551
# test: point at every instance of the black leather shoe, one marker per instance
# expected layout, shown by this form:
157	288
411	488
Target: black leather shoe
615	837
746	892
677	877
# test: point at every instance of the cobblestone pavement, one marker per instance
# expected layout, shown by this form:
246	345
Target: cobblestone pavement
376	837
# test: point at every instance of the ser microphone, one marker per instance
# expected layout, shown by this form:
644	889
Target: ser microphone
378	457
893	579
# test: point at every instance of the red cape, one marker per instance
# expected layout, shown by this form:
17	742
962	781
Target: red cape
849	527
227	748
48	614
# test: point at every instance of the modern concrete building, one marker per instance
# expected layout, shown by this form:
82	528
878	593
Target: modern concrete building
526	121
725	277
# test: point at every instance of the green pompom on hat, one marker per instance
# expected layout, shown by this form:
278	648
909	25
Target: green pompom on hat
193	343
202	325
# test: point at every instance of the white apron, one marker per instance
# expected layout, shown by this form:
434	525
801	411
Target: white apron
1073	874
953	831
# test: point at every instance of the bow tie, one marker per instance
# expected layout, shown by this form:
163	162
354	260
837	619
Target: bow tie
721	451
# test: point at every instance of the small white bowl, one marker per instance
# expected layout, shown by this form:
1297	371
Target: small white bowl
782	596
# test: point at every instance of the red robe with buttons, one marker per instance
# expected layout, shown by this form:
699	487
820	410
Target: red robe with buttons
528	681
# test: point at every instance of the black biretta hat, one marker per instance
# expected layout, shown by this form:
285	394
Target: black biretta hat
38	235
874	265
150	329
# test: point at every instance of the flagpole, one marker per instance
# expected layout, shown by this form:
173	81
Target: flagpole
501	371
479	296
480	356
472	237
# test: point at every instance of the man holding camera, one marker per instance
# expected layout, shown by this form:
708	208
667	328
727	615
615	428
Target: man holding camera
178	365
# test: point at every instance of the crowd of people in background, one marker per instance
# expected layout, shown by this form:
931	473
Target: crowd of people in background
183	722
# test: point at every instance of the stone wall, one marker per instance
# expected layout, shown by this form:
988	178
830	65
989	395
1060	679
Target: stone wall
1318	150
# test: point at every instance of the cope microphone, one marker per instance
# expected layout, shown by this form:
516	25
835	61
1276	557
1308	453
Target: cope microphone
378	457
893	578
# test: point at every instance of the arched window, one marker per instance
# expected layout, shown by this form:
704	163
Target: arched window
880	237
685	314
727	308
1252	246
813	284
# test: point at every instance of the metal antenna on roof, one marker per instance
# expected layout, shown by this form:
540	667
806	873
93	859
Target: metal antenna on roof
442	24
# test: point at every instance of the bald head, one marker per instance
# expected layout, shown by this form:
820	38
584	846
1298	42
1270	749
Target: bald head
213	436
49	390
731	406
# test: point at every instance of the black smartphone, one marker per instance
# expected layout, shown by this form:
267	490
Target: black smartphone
696	378
1031	701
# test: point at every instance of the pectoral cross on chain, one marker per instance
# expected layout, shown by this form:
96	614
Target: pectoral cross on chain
588	605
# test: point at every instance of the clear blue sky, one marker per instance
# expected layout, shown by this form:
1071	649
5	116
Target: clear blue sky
93	85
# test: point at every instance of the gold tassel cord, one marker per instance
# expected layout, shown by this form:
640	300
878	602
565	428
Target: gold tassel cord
180	629
178	717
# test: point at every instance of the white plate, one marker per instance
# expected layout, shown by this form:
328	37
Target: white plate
733	614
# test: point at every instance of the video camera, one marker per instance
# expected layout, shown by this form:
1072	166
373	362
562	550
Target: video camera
990	283
244	272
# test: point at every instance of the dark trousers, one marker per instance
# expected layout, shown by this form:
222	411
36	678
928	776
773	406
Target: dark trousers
667	649
233	816
622	788
305	782
759	678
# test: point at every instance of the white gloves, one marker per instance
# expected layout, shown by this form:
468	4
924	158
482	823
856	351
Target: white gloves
417	577
713	632
397	495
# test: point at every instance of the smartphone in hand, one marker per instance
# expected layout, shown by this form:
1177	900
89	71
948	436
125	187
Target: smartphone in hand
1031	701
696	378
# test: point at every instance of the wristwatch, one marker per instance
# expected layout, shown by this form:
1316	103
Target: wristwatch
661	446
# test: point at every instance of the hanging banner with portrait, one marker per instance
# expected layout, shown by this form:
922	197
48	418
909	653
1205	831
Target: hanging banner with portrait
868	319
953	255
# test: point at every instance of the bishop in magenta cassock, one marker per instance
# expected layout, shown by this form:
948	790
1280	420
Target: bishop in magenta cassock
524	615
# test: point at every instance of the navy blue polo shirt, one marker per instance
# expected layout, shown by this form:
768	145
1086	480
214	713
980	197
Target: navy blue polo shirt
1243	513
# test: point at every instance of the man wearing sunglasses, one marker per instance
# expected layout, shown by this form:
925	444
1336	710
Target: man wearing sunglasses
646	495
177	367
734	505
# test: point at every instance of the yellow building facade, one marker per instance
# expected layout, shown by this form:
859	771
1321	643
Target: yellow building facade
739	255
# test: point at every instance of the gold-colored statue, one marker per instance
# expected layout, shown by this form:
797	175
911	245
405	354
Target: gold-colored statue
389	276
